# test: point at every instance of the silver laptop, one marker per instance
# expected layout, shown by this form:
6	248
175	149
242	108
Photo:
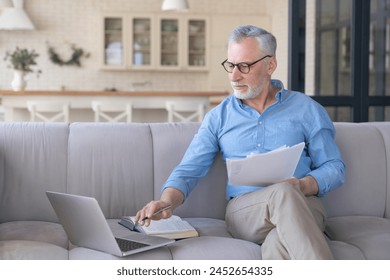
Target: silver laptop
86	226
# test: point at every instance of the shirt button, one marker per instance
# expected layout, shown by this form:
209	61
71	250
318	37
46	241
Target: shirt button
260	122
259	145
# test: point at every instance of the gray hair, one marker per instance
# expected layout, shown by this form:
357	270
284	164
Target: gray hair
267	41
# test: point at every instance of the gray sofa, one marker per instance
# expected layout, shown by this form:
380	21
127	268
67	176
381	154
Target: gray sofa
123	167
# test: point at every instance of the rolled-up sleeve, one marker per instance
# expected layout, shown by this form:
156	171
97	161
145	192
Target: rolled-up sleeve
328	167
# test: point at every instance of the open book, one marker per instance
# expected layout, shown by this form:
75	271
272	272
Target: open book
264	169
173	227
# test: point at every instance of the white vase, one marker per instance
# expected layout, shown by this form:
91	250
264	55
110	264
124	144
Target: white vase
19	82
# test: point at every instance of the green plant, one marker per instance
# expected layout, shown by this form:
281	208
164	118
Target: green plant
22	59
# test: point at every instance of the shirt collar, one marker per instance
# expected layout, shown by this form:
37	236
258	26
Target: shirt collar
281	95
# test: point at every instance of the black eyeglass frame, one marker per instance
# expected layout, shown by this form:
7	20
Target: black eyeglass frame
245	64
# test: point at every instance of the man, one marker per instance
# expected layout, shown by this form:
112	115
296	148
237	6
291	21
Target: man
287	218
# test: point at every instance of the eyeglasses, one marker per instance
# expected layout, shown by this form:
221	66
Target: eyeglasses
243	67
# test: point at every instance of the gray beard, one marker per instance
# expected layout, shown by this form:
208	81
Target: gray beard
245	96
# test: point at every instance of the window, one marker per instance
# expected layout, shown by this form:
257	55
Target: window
346	56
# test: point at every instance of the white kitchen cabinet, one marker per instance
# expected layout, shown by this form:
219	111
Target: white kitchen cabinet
170	43
183	43
113	55
196	43
154	42
142	39
127	42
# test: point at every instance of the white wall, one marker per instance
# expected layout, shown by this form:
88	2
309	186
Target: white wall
62	22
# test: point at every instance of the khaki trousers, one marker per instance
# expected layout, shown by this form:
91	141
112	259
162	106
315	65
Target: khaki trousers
286	223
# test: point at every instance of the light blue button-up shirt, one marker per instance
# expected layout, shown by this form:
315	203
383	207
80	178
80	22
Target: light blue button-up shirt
236	130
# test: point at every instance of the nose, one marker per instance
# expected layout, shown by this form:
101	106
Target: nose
235	75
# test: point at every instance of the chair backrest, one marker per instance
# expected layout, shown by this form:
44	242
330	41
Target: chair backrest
185	111
112	111
48	111
1	113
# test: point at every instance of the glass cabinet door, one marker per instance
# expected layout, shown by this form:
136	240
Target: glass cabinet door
113	41
142	38
196	43
169	48
154	42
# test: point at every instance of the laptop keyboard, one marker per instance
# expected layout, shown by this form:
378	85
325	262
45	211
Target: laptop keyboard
128	245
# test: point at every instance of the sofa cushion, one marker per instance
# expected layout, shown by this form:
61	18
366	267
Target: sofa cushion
113	163
80	253
345	251
215	248
209	226
364	191
198	248
170	141
31	250
33	159
369	234
47	232
204	226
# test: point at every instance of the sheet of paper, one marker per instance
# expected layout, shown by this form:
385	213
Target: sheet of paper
264	169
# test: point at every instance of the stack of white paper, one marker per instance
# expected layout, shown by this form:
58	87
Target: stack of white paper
264	169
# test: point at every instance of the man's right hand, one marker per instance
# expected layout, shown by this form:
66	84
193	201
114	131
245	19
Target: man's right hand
146	214
169	197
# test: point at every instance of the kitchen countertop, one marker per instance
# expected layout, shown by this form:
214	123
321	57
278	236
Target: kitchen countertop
114	93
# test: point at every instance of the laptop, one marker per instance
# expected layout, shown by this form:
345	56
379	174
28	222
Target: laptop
86	226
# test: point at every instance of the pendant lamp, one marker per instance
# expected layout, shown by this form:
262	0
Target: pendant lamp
175	5
15	18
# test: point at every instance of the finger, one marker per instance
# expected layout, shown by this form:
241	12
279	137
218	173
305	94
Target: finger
146	223
152	208
144	218
138	216
141	214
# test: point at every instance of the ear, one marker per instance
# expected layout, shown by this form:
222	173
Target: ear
272	64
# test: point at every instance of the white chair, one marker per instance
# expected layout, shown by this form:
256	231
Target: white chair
112	111
48	111
185	111
1	113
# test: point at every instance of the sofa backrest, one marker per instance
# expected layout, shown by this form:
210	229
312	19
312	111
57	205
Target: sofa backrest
365	148
122	165
365	191
384	129
125	165
33	159
113	163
